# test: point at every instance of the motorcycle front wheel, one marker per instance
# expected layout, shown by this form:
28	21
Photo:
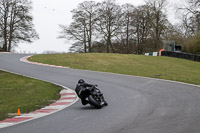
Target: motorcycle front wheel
94	102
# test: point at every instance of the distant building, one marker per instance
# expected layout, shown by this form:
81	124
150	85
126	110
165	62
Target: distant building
170	45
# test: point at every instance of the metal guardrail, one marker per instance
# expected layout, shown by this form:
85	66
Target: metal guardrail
182	55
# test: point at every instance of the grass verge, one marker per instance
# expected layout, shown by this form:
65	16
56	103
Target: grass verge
25	93
139	65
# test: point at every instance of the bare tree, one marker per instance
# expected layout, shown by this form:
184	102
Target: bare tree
4	7
109	21
128	27
89	9
141	21
16	22
82	27
190	17
75	31
1	33
158	21
77	47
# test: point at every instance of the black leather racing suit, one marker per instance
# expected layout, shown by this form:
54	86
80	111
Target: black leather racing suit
83	90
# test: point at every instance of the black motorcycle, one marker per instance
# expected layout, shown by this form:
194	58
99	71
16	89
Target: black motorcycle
96	98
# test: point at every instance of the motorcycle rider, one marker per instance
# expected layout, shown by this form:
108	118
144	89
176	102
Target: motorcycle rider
83	90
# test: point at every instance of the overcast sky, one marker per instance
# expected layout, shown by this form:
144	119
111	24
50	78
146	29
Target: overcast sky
48	14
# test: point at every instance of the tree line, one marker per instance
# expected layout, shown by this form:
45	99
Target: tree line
109	27
16	23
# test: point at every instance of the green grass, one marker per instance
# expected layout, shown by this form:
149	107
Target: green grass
24	93
139	65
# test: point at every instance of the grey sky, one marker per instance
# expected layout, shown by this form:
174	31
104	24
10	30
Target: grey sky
48	14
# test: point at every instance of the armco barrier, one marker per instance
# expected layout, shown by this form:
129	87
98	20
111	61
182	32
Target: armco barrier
181	55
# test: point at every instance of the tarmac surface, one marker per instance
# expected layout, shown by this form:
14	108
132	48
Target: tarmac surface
136	104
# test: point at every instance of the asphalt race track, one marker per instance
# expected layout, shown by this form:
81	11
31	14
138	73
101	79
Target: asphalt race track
136	104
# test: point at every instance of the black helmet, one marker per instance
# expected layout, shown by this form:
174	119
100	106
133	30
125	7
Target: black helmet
81	81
